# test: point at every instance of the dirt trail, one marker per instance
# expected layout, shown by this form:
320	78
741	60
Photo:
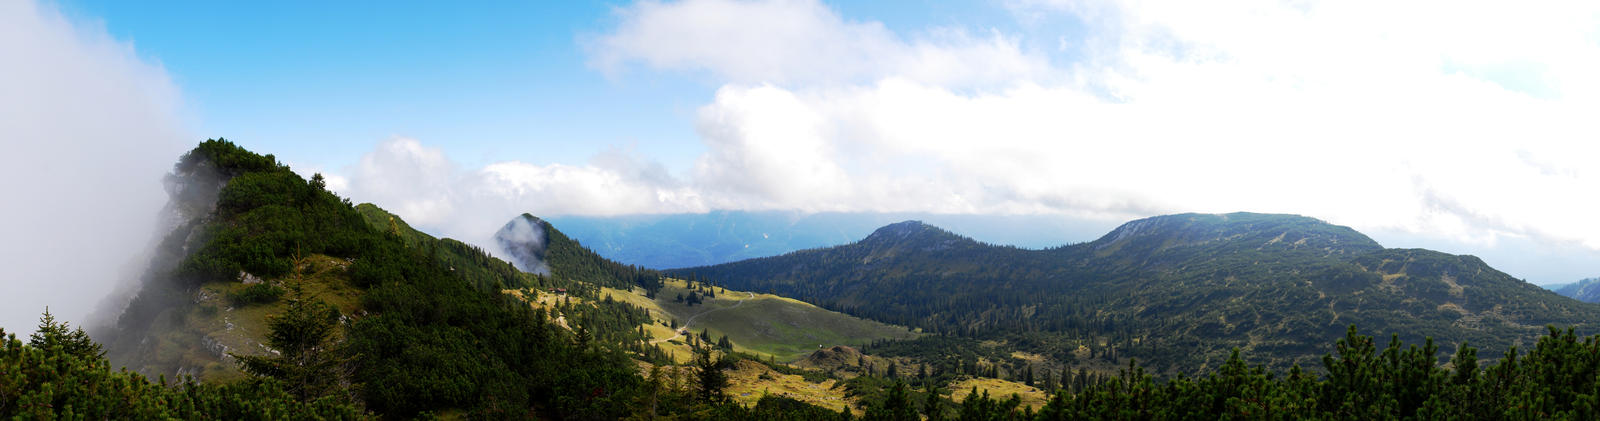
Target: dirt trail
685	327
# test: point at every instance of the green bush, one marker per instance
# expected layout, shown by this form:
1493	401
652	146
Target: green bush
262	293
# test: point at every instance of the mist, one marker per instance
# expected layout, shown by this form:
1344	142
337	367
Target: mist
524	240
89	130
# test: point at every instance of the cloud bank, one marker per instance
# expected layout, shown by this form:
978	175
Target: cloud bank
89	129
432	192
1468	121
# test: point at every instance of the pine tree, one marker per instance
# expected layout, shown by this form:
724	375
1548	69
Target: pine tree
309	363
895	407
52	335
583	336
933	406
712	380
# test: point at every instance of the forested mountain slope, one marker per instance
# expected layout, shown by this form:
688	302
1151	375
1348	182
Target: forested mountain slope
272	287
422	325
1176	291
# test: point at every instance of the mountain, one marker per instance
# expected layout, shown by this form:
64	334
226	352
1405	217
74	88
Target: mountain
422	323
1173	291
273	298
1587	290
685	240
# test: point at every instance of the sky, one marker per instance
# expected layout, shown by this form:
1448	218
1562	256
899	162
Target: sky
1462	126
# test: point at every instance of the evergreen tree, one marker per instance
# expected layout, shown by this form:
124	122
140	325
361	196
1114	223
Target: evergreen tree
582	335
58	375
52	336
308	362
933	406
712	381
896	407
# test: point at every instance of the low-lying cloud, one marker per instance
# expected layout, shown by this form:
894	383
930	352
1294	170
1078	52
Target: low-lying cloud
434	193
89	129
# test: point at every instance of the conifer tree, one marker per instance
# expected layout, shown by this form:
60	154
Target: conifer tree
895	407
933	406
309	362
52	335
712	381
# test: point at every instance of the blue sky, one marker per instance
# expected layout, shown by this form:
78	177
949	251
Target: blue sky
320	83
1464	127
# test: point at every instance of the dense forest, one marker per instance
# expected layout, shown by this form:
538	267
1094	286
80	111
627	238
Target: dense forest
60	373
1178	291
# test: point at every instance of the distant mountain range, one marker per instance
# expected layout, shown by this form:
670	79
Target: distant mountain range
686	240
1174	291
1587	290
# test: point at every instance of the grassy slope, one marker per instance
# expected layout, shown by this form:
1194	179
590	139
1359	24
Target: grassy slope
761	324
764	324
1000	390
748	381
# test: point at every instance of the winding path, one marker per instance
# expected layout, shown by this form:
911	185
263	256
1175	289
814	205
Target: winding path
685	327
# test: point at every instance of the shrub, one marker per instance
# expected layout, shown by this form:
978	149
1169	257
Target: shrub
261	293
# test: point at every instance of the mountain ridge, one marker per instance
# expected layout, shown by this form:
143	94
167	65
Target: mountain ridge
1162	287
1586	290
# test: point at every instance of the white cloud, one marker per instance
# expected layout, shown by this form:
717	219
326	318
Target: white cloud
802	41
766	148
1469	121
432	192
1466	119
89	129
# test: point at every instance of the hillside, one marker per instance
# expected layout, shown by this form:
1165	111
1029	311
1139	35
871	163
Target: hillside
1587	290
1175	291
418	324
419	321
764	325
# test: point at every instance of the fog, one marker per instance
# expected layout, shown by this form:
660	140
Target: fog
89	130
523	240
